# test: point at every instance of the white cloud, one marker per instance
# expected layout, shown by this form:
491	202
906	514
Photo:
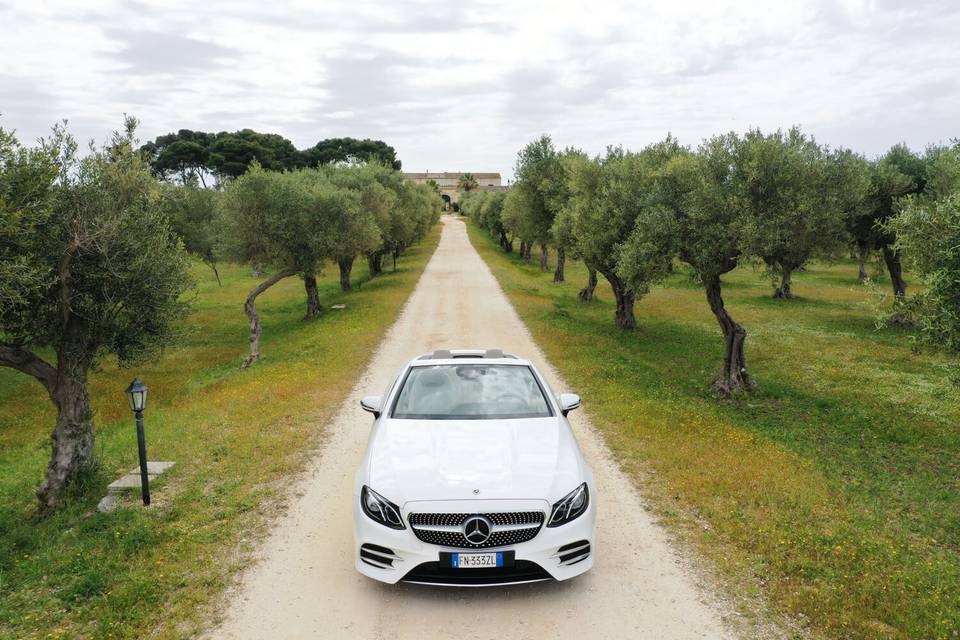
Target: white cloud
464	86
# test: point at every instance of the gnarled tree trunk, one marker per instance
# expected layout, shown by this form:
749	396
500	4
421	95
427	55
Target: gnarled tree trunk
625	298
891	256
733	377
586	294
783	292
375	262
313	297
505	242
346	266
250	308
544	256
561	259
66	385
523	249
863	253
72	439
212	261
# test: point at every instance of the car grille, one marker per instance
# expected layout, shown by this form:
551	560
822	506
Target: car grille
446	529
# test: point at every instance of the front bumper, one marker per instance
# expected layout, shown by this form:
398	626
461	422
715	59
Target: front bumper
558	553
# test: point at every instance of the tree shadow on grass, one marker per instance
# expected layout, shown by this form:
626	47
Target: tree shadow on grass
871	449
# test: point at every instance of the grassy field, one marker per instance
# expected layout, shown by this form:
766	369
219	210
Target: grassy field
234	435
834	491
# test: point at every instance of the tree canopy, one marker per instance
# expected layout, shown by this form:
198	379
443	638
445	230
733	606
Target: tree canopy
929	234
350	151
192	213
97	271
608	196
294	222
194	156
539	177
787	207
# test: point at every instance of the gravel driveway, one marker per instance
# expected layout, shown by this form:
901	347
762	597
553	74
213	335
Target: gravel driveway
305	586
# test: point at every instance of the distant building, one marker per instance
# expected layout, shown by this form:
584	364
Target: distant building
448	181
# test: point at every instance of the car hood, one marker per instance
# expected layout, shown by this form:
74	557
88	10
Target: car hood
533	458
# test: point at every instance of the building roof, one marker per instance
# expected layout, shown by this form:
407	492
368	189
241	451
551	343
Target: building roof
450	175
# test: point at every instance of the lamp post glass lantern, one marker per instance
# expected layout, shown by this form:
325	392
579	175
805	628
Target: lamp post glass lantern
137	394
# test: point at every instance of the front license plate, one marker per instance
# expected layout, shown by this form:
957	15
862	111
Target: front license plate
476	560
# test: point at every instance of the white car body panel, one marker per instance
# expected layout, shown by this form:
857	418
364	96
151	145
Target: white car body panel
480	466
503	458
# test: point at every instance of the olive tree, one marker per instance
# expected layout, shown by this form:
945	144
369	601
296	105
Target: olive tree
696	214
491	218
425	209
401	229
283	219
413	210
517	221
897	174
928	232
193	216
539	177
561	199
470	203
609	195
581	174
356	229
89	268
849	186
787	209
942	172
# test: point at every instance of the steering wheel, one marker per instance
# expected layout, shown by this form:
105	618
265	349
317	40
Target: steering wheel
506	397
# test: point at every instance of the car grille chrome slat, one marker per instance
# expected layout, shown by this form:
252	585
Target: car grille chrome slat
446	529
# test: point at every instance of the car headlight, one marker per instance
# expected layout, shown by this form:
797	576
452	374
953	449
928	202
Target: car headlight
380	509
570	506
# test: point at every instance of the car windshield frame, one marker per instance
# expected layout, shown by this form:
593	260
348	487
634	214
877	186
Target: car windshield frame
549	413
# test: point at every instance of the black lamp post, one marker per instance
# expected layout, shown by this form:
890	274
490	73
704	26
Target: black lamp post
137	393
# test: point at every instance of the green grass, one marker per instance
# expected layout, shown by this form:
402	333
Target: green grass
235	435
834	491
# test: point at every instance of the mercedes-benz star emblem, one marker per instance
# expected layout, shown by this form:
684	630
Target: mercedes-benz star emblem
477	529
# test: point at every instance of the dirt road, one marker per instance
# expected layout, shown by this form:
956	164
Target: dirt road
305	585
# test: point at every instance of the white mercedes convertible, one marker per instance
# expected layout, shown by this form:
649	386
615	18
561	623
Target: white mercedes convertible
472	476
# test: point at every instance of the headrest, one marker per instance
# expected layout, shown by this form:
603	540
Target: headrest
434	378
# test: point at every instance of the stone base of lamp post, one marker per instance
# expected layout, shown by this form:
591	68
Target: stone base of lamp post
130	483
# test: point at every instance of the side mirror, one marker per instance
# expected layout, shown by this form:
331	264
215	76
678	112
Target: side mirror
569	402
372	404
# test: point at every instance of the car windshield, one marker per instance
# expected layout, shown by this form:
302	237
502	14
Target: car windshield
470	392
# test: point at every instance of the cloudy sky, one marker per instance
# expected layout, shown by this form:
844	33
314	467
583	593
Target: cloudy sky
462	85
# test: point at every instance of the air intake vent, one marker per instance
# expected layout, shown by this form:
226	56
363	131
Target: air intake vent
573	553
377	556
